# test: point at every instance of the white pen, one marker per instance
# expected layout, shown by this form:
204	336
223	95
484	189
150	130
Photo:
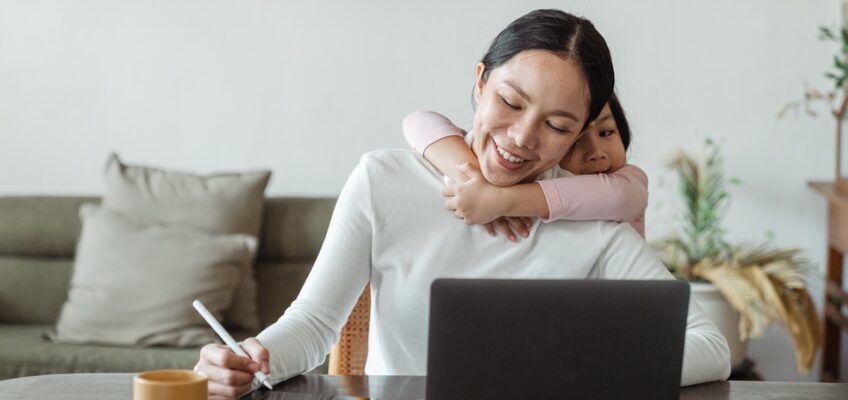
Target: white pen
225	336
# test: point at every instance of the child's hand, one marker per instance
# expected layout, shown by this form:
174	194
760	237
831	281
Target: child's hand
475	200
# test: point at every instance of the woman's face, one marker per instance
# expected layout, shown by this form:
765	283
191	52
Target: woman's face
599	149
529	113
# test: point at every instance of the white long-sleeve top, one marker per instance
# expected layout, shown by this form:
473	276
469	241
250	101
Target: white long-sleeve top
389	227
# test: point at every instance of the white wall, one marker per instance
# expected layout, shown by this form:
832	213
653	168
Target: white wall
304	88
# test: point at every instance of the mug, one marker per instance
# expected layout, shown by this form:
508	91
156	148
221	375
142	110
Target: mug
170	384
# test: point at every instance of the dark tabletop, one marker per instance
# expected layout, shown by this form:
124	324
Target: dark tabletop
321	387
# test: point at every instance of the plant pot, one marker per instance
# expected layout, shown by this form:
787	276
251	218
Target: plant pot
724	316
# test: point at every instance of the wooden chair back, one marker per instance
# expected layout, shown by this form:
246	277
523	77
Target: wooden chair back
348	355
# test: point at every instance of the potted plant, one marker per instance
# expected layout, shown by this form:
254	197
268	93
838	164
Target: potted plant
836	99
742	288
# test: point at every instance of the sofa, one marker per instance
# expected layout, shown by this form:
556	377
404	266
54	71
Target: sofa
38	235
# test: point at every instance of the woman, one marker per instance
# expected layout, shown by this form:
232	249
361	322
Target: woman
389	227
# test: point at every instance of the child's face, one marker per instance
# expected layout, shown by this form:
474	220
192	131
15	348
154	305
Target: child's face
599	149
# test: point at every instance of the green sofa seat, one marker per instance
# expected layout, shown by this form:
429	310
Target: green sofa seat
38	237
24	352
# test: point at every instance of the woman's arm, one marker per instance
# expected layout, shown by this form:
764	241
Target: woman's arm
706	355
619	196
302	337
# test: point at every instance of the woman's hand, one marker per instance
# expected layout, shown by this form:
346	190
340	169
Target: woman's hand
509	226
477	201
228	374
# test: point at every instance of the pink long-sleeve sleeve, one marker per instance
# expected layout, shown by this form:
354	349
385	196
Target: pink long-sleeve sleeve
423	128
619	196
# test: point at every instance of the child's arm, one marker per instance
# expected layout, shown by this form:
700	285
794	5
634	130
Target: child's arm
619	196
478	202
439	141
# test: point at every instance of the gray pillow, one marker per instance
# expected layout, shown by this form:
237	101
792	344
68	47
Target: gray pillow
133	283
220	203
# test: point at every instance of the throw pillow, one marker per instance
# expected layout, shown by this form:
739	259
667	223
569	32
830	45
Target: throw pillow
133	283
220	203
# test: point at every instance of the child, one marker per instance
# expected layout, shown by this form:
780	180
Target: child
604	186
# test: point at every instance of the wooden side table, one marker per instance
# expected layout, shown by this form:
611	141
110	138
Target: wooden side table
837	247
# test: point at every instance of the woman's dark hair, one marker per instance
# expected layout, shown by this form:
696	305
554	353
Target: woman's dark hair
620	120
569	36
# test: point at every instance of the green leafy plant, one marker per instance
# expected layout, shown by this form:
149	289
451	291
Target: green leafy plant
839	76
762	283
836	99
841	66
705	201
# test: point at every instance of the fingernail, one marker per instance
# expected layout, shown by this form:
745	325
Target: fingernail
524	234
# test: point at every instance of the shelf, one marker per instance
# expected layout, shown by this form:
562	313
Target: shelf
833	291
835	322
830	191
835	316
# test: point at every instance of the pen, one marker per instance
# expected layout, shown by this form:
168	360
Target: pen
231	343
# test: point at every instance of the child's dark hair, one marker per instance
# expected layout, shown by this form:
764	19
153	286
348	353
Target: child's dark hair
573	38
620	120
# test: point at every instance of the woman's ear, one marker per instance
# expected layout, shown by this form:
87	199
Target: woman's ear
478	85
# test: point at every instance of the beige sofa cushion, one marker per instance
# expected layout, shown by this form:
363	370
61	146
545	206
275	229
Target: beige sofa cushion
133	283
220	204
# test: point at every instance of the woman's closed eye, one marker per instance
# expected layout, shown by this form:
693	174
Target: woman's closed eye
508	104
560	130
515	107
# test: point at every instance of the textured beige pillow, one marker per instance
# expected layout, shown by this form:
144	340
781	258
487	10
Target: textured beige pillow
133	283
221	203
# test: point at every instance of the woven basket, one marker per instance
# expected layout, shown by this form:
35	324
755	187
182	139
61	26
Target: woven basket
348	355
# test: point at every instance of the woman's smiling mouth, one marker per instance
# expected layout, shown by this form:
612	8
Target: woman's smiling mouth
507	159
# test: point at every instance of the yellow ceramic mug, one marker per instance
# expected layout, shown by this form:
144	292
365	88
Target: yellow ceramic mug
170	384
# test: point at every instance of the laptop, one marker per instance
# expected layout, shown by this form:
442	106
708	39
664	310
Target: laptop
556	339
